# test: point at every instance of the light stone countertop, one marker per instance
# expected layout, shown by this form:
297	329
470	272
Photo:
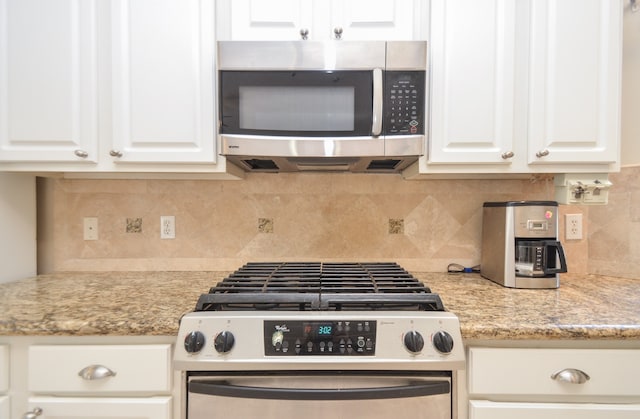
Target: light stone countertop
151	304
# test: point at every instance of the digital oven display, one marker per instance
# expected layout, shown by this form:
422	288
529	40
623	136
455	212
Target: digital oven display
339	337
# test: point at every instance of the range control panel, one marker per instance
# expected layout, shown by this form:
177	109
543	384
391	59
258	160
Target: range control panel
337	337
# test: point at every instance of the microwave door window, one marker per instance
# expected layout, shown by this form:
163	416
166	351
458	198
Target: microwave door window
302	103
297	108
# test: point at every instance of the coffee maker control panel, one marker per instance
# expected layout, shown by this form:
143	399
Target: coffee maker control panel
537	225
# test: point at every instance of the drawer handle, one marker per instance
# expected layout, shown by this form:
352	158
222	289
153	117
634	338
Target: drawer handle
571	375
96	372
33	414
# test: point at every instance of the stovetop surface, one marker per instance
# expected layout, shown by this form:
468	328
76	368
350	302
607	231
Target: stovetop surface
303	286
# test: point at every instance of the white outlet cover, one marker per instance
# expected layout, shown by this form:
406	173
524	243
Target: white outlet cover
167	227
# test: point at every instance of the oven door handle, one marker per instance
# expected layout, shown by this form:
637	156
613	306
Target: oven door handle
413	389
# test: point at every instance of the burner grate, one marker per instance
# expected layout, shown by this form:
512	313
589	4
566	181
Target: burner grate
320	286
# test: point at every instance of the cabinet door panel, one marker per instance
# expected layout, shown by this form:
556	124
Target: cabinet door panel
372	19
48	81
575	70
4	407
472	96
104	408
4	369
270	20
162	71
480	409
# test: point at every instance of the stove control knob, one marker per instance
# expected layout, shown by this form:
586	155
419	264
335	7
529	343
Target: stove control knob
194	342
413	341
223	342
443	342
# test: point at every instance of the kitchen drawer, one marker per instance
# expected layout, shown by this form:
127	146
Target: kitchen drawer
103	407
4	369
4	407
482	409
502	371
138	369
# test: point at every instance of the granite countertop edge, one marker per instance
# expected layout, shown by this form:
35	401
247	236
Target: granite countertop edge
151	303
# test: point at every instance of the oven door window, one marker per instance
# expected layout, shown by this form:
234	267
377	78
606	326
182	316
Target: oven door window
296	103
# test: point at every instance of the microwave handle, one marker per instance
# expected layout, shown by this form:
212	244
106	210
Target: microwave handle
376	128
413	389
560	252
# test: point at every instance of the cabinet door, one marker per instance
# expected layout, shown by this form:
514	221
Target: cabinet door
4	369
4	407
575	71
373	20
112	408
270	20
48	81
472	81
163	74
481	409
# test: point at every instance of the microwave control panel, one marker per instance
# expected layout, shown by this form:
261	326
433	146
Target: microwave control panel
404	103
299	337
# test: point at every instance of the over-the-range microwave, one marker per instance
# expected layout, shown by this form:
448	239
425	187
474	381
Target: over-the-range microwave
336	105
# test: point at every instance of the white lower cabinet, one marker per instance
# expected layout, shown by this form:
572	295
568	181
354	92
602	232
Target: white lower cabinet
4	382
4	407
553	383
98	407
100	381
483	409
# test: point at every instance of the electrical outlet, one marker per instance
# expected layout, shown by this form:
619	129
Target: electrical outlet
167	227
573	227
90	230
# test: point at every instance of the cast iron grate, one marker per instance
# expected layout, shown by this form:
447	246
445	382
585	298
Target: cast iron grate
302	286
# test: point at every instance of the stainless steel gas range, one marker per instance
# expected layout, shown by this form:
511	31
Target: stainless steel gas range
318	340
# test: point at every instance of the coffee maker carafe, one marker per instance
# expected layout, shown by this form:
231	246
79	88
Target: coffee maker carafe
520	247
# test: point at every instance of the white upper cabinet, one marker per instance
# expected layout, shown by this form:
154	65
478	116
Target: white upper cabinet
162	75
472	81
48	81
322	20
574	90
529	86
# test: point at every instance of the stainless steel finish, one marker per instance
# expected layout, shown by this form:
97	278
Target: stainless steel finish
406	55
248	353
542	153
299	55
115	153
376	128
33	414
96	372
309	153
337	32
571	376
501	227
292	154
304	34
81	153
507	155
317	401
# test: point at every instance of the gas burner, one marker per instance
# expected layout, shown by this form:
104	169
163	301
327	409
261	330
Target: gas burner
303	286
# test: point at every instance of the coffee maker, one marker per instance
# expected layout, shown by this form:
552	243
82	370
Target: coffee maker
520	247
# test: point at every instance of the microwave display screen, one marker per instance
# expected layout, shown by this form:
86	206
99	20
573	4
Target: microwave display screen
297	108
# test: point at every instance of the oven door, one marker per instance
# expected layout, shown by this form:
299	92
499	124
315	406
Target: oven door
320	396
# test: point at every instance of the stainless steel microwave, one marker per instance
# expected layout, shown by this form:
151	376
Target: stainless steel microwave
335	105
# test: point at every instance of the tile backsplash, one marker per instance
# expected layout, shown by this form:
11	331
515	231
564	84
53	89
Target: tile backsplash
423	225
